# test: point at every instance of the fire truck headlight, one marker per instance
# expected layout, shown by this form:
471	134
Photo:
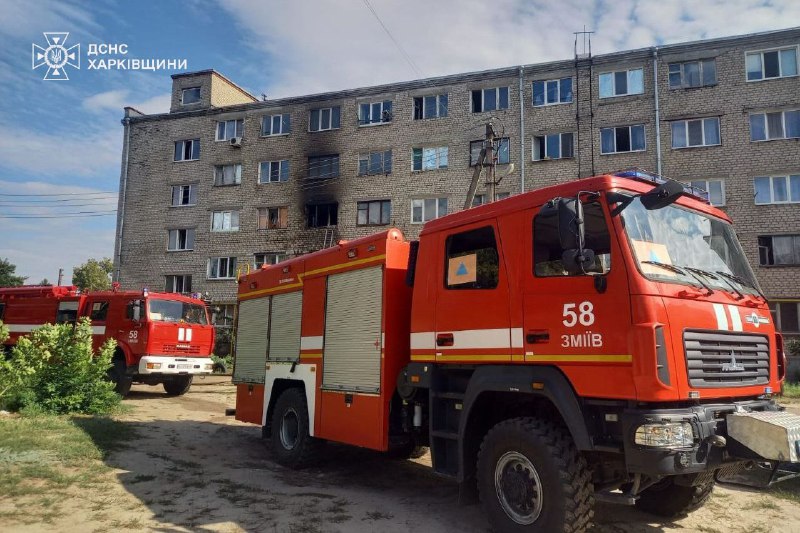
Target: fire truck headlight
667	435
209	366
153	366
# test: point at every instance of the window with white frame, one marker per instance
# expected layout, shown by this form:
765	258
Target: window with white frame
375	163
714	188
273	217
180	240
326	118
187	150
697	132
184	195
273	171
276	124
480	199
269	258
323	166
550	92
777	189
553	146
429	158
775	125
228	129
425	209
622	139
227	174
190	95
222	268
181	283
432	106
786	316
779	250
374	213
693	74
502	151
771	64
492	99
621	83
375	113
225	221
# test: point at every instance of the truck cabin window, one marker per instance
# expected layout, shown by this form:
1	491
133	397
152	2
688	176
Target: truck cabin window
472	261
174	311
67	313
547	246
99	311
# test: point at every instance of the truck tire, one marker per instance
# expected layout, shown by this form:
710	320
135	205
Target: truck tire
118	376
667	499
178	386
292	445
531	478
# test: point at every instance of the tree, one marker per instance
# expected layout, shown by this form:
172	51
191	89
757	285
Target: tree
7	277
45	282
93	275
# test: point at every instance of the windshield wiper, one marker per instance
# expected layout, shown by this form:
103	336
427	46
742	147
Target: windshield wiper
665	266
695	271
741	281
739	294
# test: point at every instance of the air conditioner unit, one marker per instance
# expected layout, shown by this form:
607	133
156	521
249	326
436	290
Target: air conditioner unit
236	142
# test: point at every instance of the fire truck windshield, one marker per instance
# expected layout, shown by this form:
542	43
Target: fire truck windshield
678	245
173	311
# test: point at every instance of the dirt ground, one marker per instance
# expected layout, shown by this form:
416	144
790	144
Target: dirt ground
192	468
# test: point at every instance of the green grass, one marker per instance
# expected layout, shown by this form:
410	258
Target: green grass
791	390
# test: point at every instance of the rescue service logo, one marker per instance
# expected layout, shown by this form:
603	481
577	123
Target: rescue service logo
56	56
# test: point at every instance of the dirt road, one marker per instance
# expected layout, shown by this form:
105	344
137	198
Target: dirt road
194	469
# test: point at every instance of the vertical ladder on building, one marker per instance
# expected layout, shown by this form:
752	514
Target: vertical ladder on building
329	237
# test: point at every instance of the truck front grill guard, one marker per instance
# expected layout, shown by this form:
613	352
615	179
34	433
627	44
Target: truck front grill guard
726	359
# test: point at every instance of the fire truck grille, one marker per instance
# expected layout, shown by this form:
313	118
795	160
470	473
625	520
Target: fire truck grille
181	349
722	359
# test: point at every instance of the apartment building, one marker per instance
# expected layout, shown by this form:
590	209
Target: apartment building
225	182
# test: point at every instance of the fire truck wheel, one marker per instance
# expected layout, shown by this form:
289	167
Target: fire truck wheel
665	498
122	382
292	445
178	386
531	478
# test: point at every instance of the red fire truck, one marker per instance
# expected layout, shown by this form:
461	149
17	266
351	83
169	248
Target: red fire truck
161	337
602	339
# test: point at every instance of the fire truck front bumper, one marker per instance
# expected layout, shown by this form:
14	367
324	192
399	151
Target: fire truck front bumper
163	364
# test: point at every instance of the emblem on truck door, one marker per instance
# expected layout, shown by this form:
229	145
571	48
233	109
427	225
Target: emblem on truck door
733	365
755	319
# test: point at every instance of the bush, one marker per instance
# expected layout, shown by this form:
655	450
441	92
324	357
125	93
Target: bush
53	370
793	347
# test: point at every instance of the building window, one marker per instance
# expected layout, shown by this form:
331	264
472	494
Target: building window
554	146
693	74
771	64
700	132
228	129
714	188
549	92
190	95
276	124
779	250
775	125
425	209
222	268
178	283
375	163
327	118
472	260
622	139
429	158
184	195
480	199
180	240
501	152
777	189
434	106
786	316
489	99
621	83
375	113
273	217
323	166
269	258
273	171
227	174
188	150
322	215
374	213
225	221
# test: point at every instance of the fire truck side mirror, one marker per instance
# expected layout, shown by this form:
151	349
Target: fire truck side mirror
662	196
137	311
570	223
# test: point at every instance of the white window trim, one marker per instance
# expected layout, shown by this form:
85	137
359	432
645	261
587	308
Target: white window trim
171	250
560	147
280	166
700	63
216	132
321	109
231	229
686	132
208	267
497	99
199	98
277	254
437	96
423	148
614	82
214	176
707	189
190	195
773	49
282	134
545	104
772	200
766	124
437	198
379	123
644	131
267	208
183	160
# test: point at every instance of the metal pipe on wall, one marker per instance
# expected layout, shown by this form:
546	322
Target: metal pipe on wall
658	119
521	130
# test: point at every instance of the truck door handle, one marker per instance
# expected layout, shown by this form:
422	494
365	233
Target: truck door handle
537	336
444	339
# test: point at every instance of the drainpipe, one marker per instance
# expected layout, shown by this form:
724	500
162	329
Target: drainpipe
126	122
658	119
521	131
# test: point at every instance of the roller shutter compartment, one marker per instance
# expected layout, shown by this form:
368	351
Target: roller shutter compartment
251	341
284	328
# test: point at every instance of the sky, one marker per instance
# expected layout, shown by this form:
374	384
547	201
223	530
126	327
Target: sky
64	138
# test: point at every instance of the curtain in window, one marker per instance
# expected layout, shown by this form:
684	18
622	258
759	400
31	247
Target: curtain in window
607	140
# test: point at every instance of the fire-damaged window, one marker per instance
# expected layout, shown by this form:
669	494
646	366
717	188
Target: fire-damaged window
322	215
178	283
472	260
323	166
547	246
99	311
